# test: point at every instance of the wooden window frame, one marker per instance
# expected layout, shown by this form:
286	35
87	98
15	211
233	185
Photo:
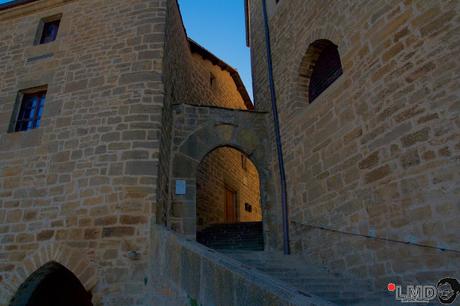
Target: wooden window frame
41	27
13	126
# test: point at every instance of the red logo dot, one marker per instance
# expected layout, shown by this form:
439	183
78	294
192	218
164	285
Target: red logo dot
391	287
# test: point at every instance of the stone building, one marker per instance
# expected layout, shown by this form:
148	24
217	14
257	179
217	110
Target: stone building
88	95
368	100
122	142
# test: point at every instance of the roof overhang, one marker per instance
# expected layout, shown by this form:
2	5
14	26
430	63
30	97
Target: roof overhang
11	4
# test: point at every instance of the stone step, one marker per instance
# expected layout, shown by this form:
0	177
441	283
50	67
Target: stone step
236	236
223	242
234	227
229	246
235	230
277	268
329	288
234	245
312	279
306	282
229	239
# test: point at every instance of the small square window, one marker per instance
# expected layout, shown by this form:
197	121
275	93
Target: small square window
29	109
247	207
48	29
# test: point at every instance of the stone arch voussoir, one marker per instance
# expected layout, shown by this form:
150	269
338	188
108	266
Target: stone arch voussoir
73	259
301	61
208	138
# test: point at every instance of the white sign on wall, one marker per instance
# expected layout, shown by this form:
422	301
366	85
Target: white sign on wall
181	187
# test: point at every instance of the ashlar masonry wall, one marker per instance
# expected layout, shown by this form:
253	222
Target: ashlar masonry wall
377	154
85	181
214	85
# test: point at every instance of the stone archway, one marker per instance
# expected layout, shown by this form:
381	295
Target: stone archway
70	258
200	130
228	210
52	285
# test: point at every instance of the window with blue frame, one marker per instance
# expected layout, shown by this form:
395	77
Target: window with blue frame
30	110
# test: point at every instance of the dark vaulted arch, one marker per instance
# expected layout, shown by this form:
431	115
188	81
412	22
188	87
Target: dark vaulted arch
52	285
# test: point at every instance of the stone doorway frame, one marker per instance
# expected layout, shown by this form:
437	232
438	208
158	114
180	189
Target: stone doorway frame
33	283
241	130
72	259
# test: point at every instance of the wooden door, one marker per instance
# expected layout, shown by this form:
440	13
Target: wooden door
230	206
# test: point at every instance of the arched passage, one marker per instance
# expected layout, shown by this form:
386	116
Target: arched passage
52	285
228	213
200	130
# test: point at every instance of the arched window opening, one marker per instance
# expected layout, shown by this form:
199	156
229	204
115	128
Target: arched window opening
319	68
229	214
52	285
326	70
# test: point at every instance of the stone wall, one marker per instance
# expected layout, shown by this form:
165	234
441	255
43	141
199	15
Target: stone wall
221	169
86	179
220	91
82	188
377	154
177	69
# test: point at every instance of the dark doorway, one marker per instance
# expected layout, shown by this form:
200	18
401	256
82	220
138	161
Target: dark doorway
52	285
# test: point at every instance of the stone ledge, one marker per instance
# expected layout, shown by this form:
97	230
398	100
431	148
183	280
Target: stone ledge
185	104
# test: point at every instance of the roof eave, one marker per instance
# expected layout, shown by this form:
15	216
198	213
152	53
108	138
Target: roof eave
8	5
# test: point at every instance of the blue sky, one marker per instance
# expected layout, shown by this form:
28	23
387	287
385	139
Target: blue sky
218	25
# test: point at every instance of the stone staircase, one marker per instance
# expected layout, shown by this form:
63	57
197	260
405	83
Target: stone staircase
313	279
236	236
